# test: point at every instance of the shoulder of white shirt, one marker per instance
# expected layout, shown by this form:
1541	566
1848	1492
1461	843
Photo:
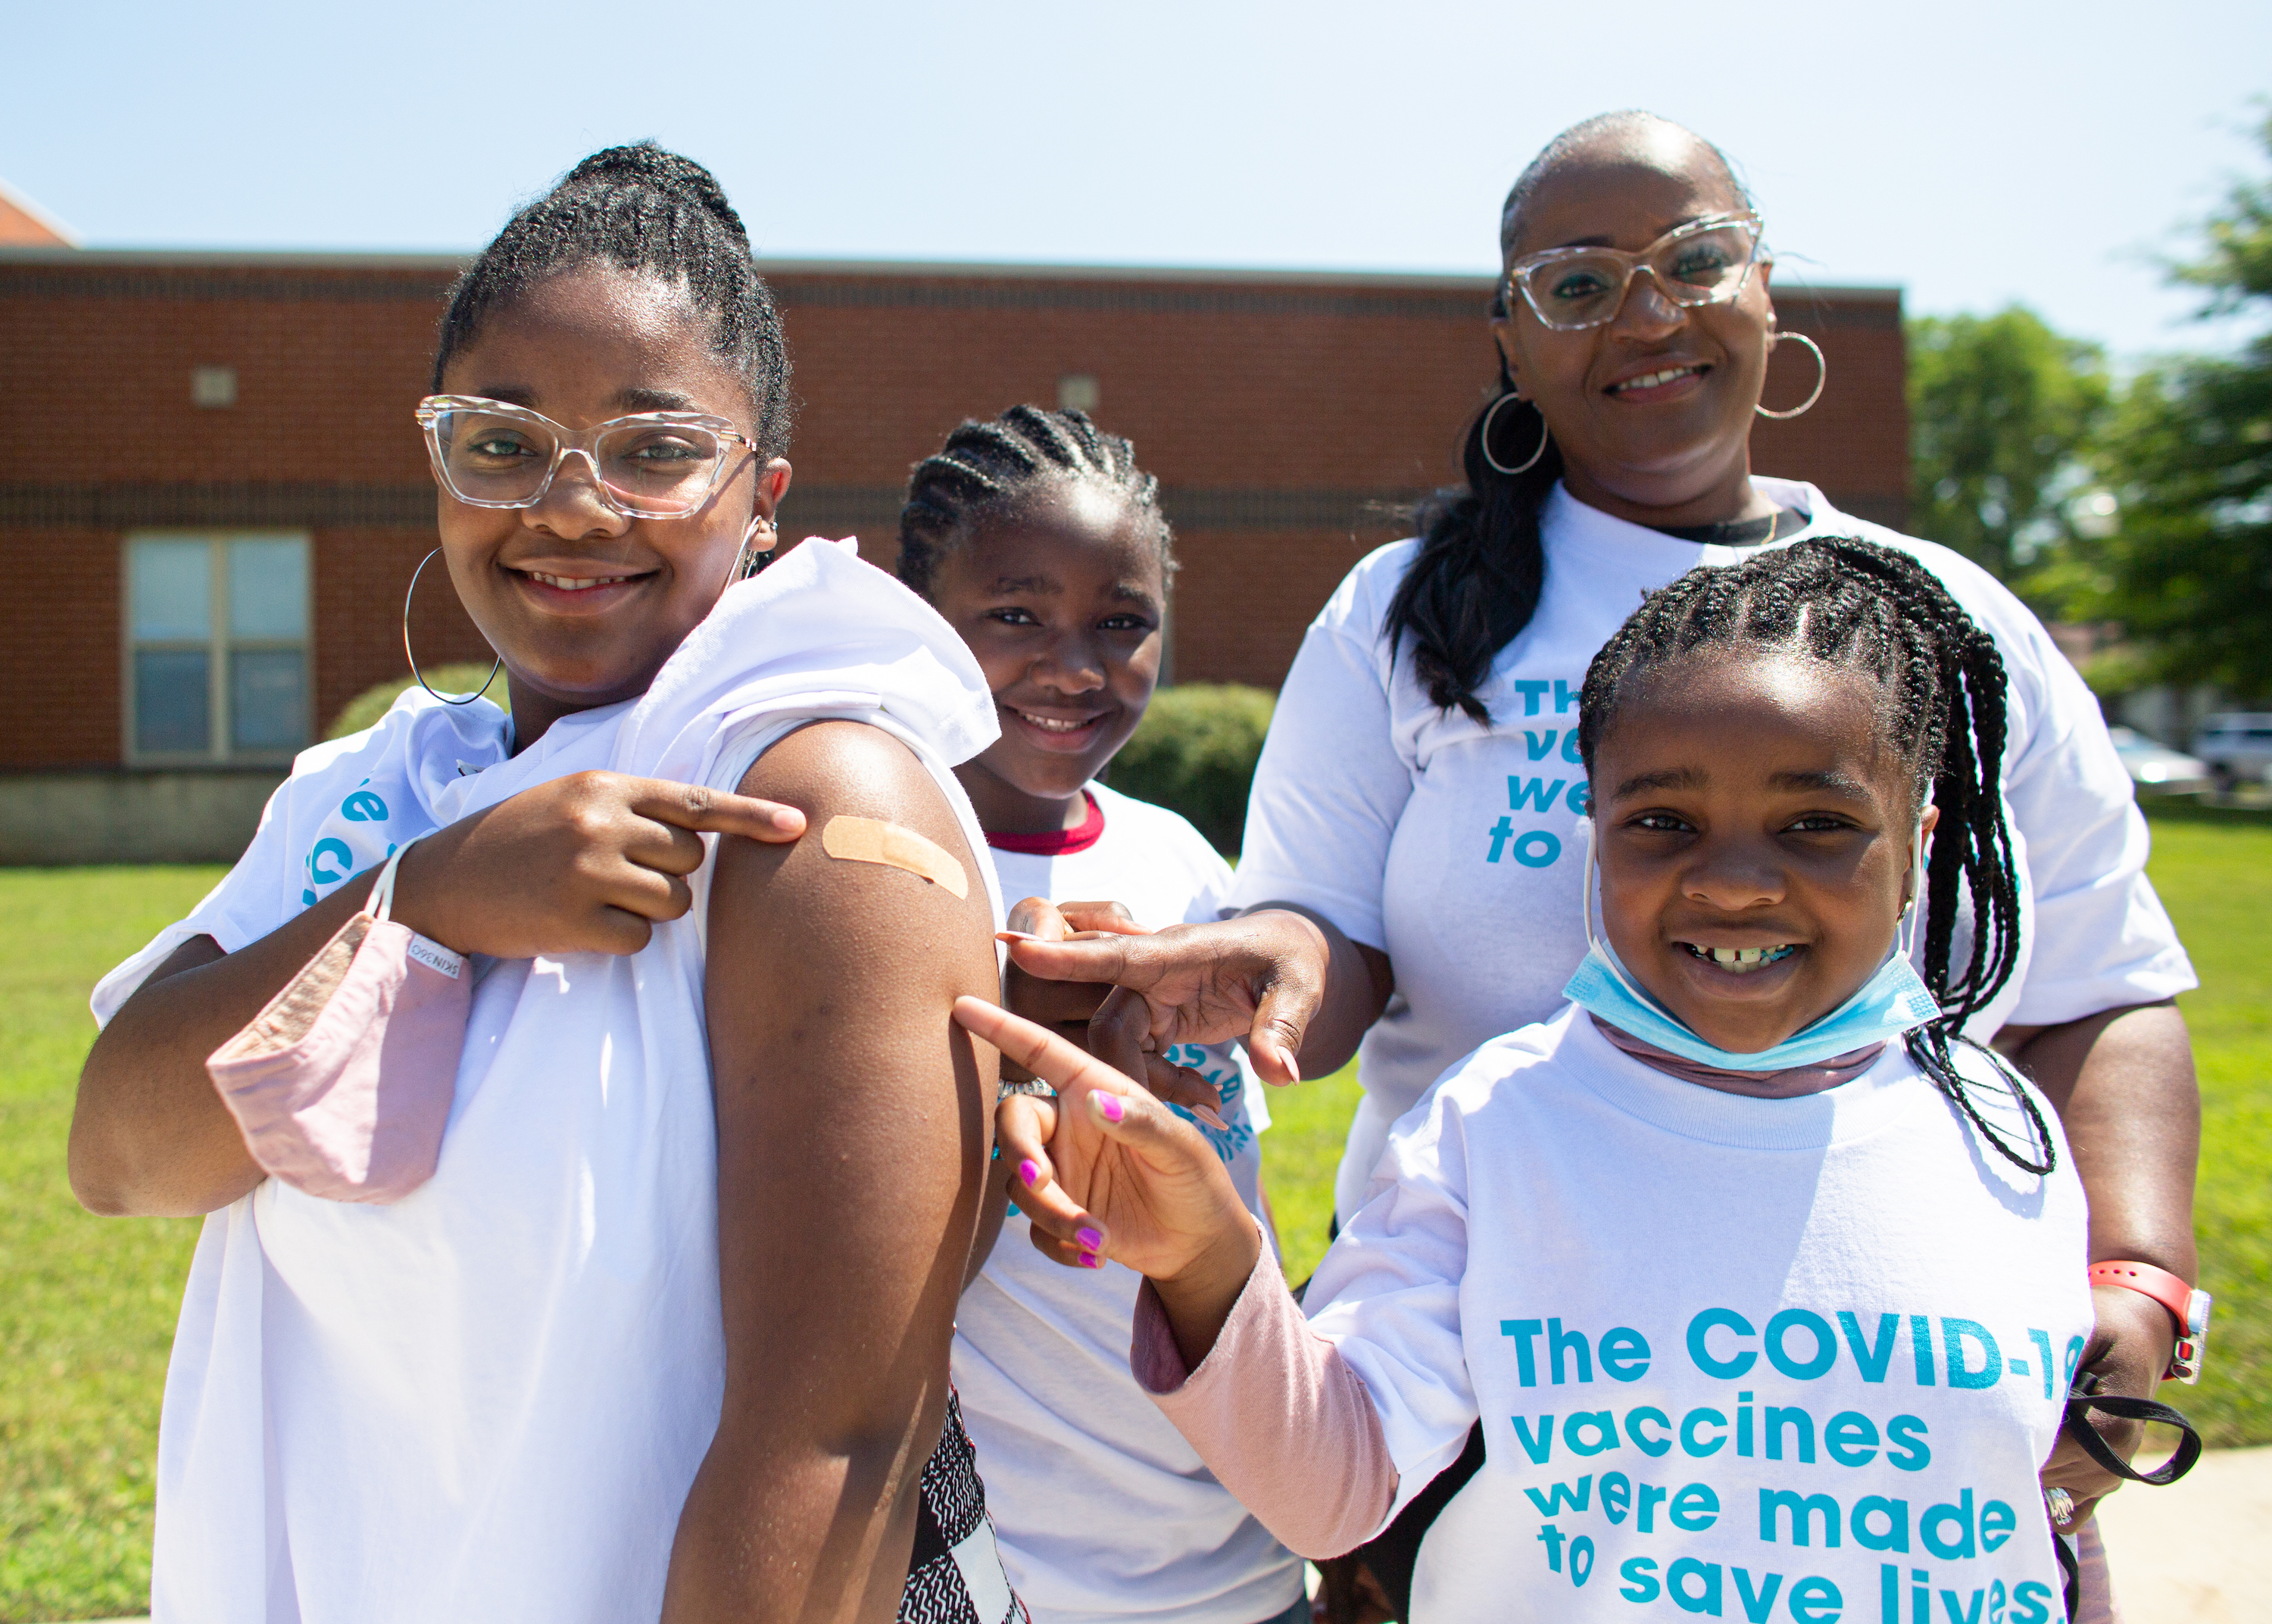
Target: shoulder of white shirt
1156	825
1982	595
1359	606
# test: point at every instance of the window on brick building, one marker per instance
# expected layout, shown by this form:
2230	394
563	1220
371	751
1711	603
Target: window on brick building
216	648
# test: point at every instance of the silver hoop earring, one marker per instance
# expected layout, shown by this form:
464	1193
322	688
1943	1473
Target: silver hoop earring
1822	376
750	560
413	658
1490	417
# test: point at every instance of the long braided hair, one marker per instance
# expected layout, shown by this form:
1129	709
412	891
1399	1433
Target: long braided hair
1474	582
641	208
989	467
1870	608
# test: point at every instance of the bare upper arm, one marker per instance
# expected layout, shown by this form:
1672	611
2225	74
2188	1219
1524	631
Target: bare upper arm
853	1115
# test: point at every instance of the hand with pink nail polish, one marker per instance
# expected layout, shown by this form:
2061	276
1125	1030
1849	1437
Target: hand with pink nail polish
1077	1012
1106	1170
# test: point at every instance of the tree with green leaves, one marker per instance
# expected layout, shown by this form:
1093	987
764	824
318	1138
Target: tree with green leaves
2003	411
2190	454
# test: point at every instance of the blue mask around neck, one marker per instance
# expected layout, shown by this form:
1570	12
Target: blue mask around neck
1891	1003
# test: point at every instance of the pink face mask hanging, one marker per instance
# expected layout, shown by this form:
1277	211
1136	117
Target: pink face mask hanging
343	1083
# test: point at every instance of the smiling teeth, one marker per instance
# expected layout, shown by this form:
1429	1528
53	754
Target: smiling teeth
1651	380
1741	959
1050	724
576	583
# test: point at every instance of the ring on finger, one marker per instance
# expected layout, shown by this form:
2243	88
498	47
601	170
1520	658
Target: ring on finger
2061	1504
1032	1087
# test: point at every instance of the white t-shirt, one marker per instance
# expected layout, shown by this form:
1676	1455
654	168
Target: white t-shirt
1455	846
487	1401
1742	1358
1103	1512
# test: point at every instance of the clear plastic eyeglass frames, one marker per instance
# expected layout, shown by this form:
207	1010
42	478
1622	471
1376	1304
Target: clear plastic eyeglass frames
658	465
1704	262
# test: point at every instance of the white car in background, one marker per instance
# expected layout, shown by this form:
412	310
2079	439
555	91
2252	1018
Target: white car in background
2155	768
2237	745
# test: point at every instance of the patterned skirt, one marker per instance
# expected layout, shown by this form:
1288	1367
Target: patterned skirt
954	1574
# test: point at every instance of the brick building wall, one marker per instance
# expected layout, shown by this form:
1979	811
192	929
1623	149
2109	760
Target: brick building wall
1279	411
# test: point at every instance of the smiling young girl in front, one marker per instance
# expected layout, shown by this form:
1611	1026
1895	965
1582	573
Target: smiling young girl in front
639	1346
1042	542
1766	1290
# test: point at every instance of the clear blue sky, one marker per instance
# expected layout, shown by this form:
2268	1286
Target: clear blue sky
1972	152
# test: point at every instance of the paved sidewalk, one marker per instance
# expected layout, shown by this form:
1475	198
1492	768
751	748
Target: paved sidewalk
2199	1551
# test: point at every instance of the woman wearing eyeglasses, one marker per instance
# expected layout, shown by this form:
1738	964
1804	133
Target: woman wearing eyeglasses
1414	847
642	1342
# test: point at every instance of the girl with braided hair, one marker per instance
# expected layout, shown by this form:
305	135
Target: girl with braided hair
1414	845
1763	1282
634	1342
1040	540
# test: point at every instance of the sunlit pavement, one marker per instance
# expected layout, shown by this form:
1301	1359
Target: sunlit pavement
2199	1551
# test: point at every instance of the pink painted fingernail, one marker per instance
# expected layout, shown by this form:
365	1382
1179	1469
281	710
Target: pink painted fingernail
1091	1240
1015	935
1028	1171
1212	1119
1109	1104
1089	1260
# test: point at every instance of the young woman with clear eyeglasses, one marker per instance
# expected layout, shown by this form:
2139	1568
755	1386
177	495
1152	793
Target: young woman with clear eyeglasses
644	1343
1415	849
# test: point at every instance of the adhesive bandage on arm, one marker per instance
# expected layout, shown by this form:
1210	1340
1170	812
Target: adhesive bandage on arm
871	841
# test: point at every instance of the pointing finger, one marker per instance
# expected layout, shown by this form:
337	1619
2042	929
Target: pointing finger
1040	1050
714	811
1107	957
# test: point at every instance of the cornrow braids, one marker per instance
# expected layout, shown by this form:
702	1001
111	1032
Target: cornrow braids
992	465
642	209
1856	604
1474	584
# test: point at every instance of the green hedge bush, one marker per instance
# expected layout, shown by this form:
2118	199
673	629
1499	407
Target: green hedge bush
369	706
1195	751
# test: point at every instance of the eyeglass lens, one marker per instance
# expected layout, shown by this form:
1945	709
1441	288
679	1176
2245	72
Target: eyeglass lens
650	467
1585	289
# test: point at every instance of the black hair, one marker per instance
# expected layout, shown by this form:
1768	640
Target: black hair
991	466
1474	582
1856	604
641	208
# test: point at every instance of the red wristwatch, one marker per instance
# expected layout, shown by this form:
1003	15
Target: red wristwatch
2188	1306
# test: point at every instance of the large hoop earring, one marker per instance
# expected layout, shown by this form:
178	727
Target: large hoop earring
750	560
1822	376
1490	416
413	658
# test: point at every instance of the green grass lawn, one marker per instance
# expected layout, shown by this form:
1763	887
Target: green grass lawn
2214	869
87	1305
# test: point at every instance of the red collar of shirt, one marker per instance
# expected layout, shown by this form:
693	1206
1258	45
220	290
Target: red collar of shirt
1055	842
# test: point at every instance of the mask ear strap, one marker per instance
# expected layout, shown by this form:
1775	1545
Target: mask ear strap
1905	936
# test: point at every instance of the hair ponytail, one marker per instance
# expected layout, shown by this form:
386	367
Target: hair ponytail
1474	584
